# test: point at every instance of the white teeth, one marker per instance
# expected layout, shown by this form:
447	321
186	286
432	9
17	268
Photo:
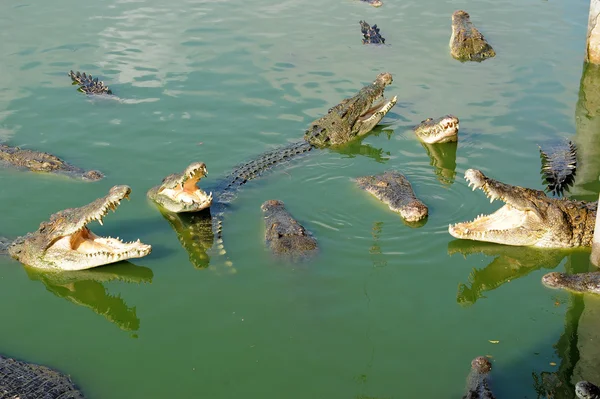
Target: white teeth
100	221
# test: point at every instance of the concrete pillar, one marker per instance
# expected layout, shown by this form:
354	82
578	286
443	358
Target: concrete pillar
592	50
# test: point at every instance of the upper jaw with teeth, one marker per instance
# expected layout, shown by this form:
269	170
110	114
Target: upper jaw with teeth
180	193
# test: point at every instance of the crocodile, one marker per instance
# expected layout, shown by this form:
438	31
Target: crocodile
66	243
371	34
37	161
22	380
559	166
478	385
466	42
88	85
179	192
441	130
284	235
580	282
394	189
528	218
587	390
374	3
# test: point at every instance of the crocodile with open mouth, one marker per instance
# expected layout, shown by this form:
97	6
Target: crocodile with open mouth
528	218
66	243
37	161
441	130
466	42
179	192
88	85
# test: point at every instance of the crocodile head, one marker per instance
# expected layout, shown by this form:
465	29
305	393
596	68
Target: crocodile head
66	243
528	217
374	3
440	130
179	192
353	117
586	390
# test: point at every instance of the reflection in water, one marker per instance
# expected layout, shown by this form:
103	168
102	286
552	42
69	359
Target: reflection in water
587	139
442	157
195	233
375	250
510	263
356	147
86	288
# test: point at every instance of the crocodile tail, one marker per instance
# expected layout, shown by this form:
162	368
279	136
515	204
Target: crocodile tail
559	167
88	84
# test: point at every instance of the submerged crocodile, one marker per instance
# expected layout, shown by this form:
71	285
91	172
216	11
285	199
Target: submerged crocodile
37	161
441	130
21	380
284	235
89	85
559	166
371	34
374	3
478	385
581	282
466	42
179	192
528	218
394	189
587	390
66	243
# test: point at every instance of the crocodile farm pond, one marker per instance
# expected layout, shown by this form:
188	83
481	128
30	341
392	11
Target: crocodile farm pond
274	272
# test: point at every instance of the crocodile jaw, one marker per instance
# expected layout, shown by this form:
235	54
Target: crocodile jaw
184	195
444	130
373	116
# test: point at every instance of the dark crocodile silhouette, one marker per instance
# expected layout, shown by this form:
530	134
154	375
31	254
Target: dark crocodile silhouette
371	34
87	84
478	385
559	166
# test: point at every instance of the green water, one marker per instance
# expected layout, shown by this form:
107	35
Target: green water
385	310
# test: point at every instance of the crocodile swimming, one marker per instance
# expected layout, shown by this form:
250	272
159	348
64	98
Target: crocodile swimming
371	34
179	192
559	166
466	42
22	380
394	189
284	235
441	130
37	161
580	282
66	243
528	218
478	385
587	390
87	84
374	3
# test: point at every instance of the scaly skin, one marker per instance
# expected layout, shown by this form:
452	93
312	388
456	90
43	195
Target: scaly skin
393	189
371	34
284	235
66	243
179	192
27	380
559	166
528	218
87	84
353	117
441	130
582	282
587	390
466	42
478	380
37	161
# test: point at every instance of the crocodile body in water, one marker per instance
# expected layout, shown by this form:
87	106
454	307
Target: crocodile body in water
559	166
581	282
441	130
478	386
371	34
466	42
394	189
66	243
284	235
37	161
88	85
528	218
374	3
21	380
587	390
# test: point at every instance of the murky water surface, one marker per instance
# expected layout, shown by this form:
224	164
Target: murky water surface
385	310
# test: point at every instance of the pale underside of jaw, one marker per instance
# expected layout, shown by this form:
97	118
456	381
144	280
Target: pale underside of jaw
506	219
84	249
378	110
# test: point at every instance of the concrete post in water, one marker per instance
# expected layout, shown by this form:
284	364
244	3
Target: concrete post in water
592	49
